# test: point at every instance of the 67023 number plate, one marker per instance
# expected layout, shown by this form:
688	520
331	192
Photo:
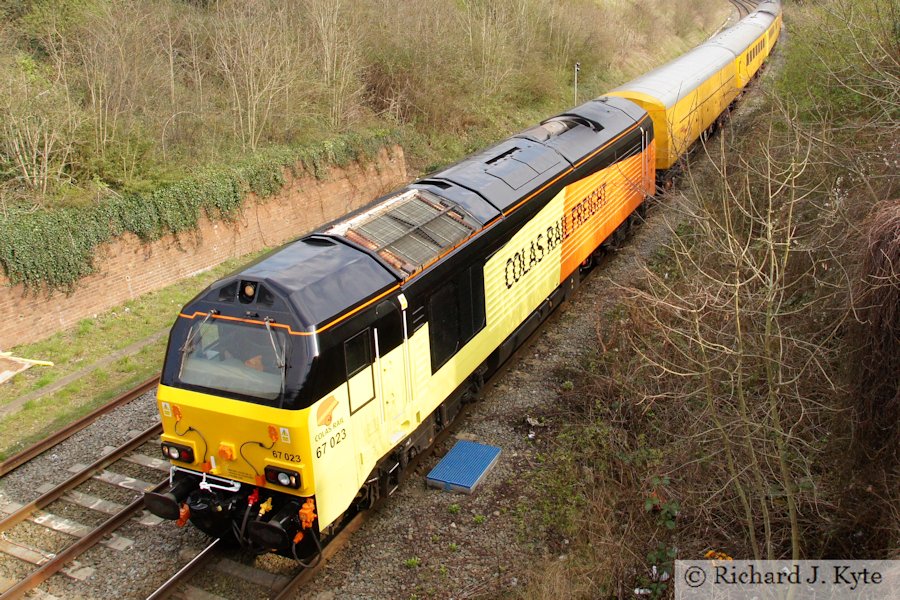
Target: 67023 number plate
286	456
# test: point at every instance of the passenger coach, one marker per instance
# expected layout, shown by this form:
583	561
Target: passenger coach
689	96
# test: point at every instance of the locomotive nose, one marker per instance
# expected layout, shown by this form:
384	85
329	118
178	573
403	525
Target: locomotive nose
166	505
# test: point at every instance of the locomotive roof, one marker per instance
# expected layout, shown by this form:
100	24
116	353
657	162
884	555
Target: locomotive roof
413	227
409	229
380	245
317	276
516	167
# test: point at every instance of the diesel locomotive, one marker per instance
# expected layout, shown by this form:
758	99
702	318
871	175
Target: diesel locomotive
295	391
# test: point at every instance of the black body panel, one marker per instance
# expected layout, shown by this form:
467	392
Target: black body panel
320	276
504	174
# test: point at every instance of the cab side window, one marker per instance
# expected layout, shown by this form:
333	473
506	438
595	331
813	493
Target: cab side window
360	375
357	353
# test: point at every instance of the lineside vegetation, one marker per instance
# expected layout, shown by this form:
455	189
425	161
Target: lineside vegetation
133	116
744	397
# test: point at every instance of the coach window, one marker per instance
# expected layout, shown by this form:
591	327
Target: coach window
358	359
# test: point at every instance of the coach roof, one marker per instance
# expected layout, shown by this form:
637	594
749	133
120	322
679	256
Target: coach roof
678	78
741	36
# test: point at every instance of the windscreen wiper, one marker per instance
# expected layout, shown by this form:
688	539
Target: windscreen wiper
279	361
193	332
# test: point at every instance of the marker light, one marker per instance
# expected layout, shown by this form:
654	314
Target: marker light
178	452
283	477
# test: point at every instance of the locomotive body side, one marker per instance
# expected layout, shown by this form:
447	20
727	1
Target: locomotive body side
386	370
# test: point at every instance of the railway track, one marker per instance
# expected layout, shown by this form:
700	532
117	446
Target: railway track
180	584
744	7
42	446
85	537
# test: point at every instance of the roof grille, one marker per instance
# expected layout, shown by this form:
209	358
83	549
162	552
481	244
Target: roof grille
409	230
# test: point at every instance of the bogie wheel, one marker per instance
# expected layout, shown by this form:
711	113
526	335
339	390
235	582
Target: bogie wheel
586	265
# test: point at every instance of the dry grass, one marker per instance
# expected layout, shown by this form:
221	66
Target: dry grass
877	304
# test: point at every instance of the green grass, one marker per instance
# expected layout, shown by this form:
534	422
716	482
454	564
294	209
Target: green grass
85	344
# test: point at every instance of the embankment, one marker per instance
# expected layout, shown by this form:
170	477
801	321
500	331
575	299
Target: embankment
127	267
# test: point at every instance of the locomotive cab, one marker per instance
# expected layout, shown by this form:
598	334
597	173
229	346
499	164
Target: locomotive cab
248	355
254	380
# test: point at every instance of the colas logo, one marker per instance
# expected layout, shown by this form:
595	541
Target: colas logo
325	411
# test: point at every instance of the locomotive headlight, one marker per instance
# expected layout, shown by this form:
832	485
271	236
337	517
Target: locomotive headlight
284	477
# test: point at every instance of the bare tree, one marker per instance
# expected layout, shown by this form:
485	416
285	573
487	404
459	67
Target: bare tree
255	59
122	74
38	128
488	27
337	55
723	334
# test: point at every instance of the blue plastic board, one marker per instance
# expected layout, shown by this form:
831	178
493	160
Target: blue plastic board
463	467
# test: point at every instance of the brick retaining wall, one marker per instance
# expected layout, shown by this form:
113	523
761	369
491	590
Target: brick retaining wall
128	268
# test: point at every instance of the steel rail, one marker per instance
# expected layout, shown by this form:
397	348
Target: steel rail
185	572
741	8
79	478
748	6
17	460
330	549
76	549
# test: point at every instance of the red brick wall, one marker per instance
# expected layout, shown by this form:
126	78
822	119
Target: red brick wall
127	268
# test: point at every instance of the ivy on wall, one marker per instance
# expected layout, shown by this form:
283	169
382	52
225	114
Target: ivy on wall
55	248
